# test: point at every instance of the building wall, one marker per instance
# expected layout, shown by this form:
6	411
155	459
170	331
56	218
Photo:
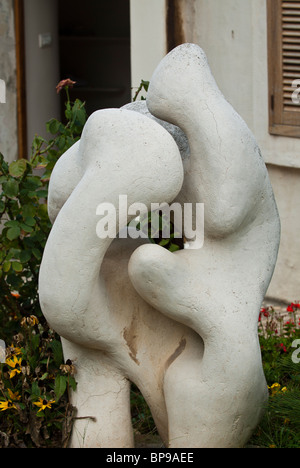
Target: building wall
8	110
233	33
234	37
148	38
42	66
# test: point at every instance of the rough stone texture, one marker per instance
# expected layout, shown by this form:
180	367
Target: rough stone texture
183	326
176	132
8	111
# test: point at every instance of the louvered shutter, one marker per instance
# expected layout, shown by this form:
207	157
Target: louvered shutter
284	67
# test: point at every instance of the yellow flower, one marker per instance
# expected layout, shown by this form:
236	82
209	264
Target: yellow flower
32	321
275	385
6	405
43	404
284	389
275	388
272	446
14	351
13	396
13	363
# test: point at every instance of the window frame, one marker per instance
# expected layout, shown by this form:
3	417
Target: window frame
20	78
282	121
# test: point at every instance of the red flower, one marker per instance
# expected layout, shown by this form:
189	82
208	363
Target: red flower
65	83
289	323
290	308
265	312
283	347
296	305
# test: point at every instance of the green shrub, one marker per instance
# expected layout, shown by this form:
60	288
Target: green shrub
34	385
280	427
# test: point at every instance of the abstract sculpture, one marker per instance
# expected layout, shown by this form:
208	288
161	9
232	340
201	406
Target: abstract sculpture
182	326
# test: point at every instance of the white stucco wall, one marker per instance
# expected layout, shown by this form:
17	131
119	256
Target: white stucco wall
148	38
8	110
233	34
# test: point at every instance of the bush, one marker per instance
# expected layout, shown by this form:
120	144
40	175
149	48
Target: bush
34	385
280	338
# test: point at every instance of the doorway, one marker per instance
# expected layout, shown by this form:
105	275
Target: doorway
94	51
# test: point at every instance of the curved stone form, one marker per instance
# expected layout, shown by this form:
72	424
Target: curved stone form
182	326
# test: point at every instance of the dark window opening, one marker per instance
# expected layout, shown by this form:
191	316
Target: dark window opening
95	51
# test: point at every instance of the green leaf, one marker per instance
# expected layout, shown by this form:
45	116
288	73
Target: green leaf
53	126
14	281
57	352
17	168
42	193
6	267
35	389
13	233
12	223
13	254
145	84
11	188
72	383
25	256
60	386
43	211
37	253
35	342
80	117
174	248
29	221
28	211
3	165
17	267
2	206
61	142
26	228
33	182
164	242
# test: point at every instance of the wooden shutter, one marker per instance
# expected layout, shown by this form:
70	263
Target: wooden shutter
284	66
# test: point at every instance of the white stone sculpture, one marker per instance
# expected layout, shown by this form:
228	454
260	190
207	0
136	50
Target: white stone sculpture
182	326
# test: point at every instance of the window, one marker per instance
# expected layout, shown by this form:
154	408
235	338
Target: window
95	51
284	66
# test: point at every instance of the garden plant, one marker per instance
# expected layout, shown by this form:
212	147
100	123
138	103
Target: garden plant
35	382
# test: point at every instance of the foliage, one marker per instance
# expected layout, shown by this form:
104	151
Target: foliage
280	427
34	385
142	420
34	390
144	85
161	231
24	218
